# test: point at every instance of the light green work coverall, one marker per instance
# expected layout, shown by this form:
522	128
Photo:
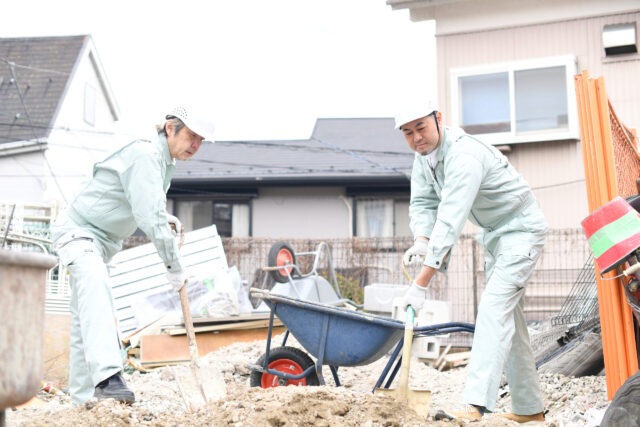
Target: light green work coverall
473	180
127	190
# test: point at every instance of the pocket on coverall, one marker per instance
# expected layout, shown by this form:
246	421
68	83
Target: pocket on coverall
73	246
517	263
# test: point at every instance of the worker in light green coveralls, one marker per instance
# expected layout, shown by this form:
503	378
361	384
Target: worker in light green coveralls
127	191
457	177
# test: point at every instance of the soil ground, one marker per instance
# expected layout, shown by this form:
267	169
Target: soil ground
569	401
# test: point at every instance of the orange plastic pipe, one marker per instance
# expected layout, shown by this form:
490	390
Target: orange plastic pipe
626	319
602	186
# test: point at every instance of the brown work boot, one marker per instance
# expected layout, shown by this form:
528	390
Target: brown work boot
465	412
533	419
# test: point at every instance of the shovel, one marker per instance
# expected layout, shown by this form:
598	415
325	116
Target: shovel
198	385
418	400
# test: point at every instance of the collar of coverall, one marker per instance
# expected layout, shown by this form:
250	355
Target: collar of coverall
438	153
432	157
162	140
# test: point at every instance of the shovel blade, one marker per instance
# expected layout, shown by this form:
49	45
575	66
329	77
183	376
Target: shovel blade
199	385
418	400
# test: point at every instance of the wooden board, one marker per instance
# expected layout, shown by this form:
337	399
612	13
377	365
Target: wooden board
263	323
159	350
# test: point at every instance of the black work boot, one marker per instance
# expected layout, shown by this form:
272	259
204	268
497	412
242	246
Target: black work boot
114	387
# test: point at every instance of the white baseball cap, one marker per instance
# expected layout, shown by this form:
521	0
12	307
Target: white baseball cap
196	120
415	111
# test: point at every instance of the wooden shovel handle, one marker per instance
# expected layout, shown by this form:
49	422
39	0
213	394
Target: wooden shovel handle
403	381
188	322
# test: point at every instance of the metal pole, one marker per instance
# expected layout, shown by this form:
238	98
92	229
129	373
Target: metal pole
6	232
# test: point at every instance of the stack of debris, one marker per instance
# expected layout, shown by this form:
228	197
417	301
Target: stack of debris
149	312
164	342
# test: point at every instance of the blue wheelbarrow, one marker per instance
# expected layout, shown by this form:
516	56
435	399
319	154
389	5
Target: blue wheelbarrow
336	337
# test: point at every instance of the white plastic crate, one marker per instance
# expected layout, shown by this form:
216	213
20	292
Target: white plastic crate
379	297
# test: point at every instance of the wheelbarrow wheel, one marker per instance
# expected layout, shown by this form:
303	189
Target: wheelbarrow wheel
281	254
290	360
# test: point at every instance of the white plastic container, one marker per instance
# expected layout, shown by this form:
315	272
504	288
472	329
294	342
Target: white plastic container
379	297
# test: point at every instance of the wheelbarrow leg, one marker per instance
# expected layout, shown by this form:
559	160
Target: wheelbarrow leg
266	357
321	348
385	371
286	335
334	372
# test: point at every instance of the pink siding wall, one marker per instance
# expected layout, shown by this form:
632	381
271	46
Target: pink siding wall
554	169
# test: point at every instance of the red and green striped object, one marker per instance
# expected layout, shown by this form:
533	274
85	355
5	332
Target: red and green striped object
613	232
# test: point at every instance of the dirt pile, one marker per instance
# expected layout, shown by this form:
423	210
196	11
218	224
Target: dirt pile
570	401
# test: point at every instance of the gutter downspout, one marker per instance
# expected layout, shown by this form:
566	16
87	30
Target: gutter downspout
350	219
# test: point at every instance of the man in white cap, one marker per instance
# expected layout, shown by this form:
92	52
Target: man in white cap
127	191
458	177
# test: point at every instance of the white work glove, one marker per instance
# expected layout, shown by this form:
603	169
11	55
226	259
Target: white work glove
177	279
413	254
415	297
176	222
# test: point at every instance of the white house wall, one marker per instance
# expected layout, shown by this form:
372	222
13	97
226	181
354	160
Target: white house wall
292	212
75	145
556	174
21	178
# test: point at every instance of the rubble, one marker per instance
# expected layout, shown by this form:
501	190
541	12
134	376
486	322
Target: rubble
569	401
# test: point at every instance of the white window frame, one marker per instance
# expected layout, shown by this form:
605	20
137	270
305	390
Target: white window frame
501	138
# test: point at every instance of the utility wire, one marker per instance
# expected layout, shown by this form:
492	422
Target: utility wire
260	144
43	70
351	153
560	184
266	144
55	179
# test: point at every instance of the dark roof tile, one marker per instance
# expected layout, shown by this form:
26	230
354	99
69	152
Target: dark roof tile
347	148
42	68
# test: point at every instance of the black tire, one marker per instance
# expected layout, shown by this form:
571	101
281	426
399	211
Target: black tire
624	409
288	356
280	254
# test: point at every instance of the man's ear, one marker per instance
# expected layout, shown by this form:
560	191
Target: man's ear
169	129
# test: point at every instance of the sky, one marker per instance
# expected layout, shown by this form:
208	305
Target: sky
263	69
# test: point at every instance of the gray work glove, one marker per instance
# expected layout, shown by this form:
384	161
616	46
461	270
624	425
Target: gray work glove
177	279
415	297
416	253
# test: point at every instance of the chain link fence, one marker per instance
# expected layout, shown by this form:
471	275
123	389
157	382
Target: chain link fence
359	262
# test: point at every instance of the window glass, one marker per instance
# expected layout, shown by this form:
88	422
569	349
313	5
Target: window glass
484	101
230	218
541	99
375	218
195	214
240	220
222	218
401	214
